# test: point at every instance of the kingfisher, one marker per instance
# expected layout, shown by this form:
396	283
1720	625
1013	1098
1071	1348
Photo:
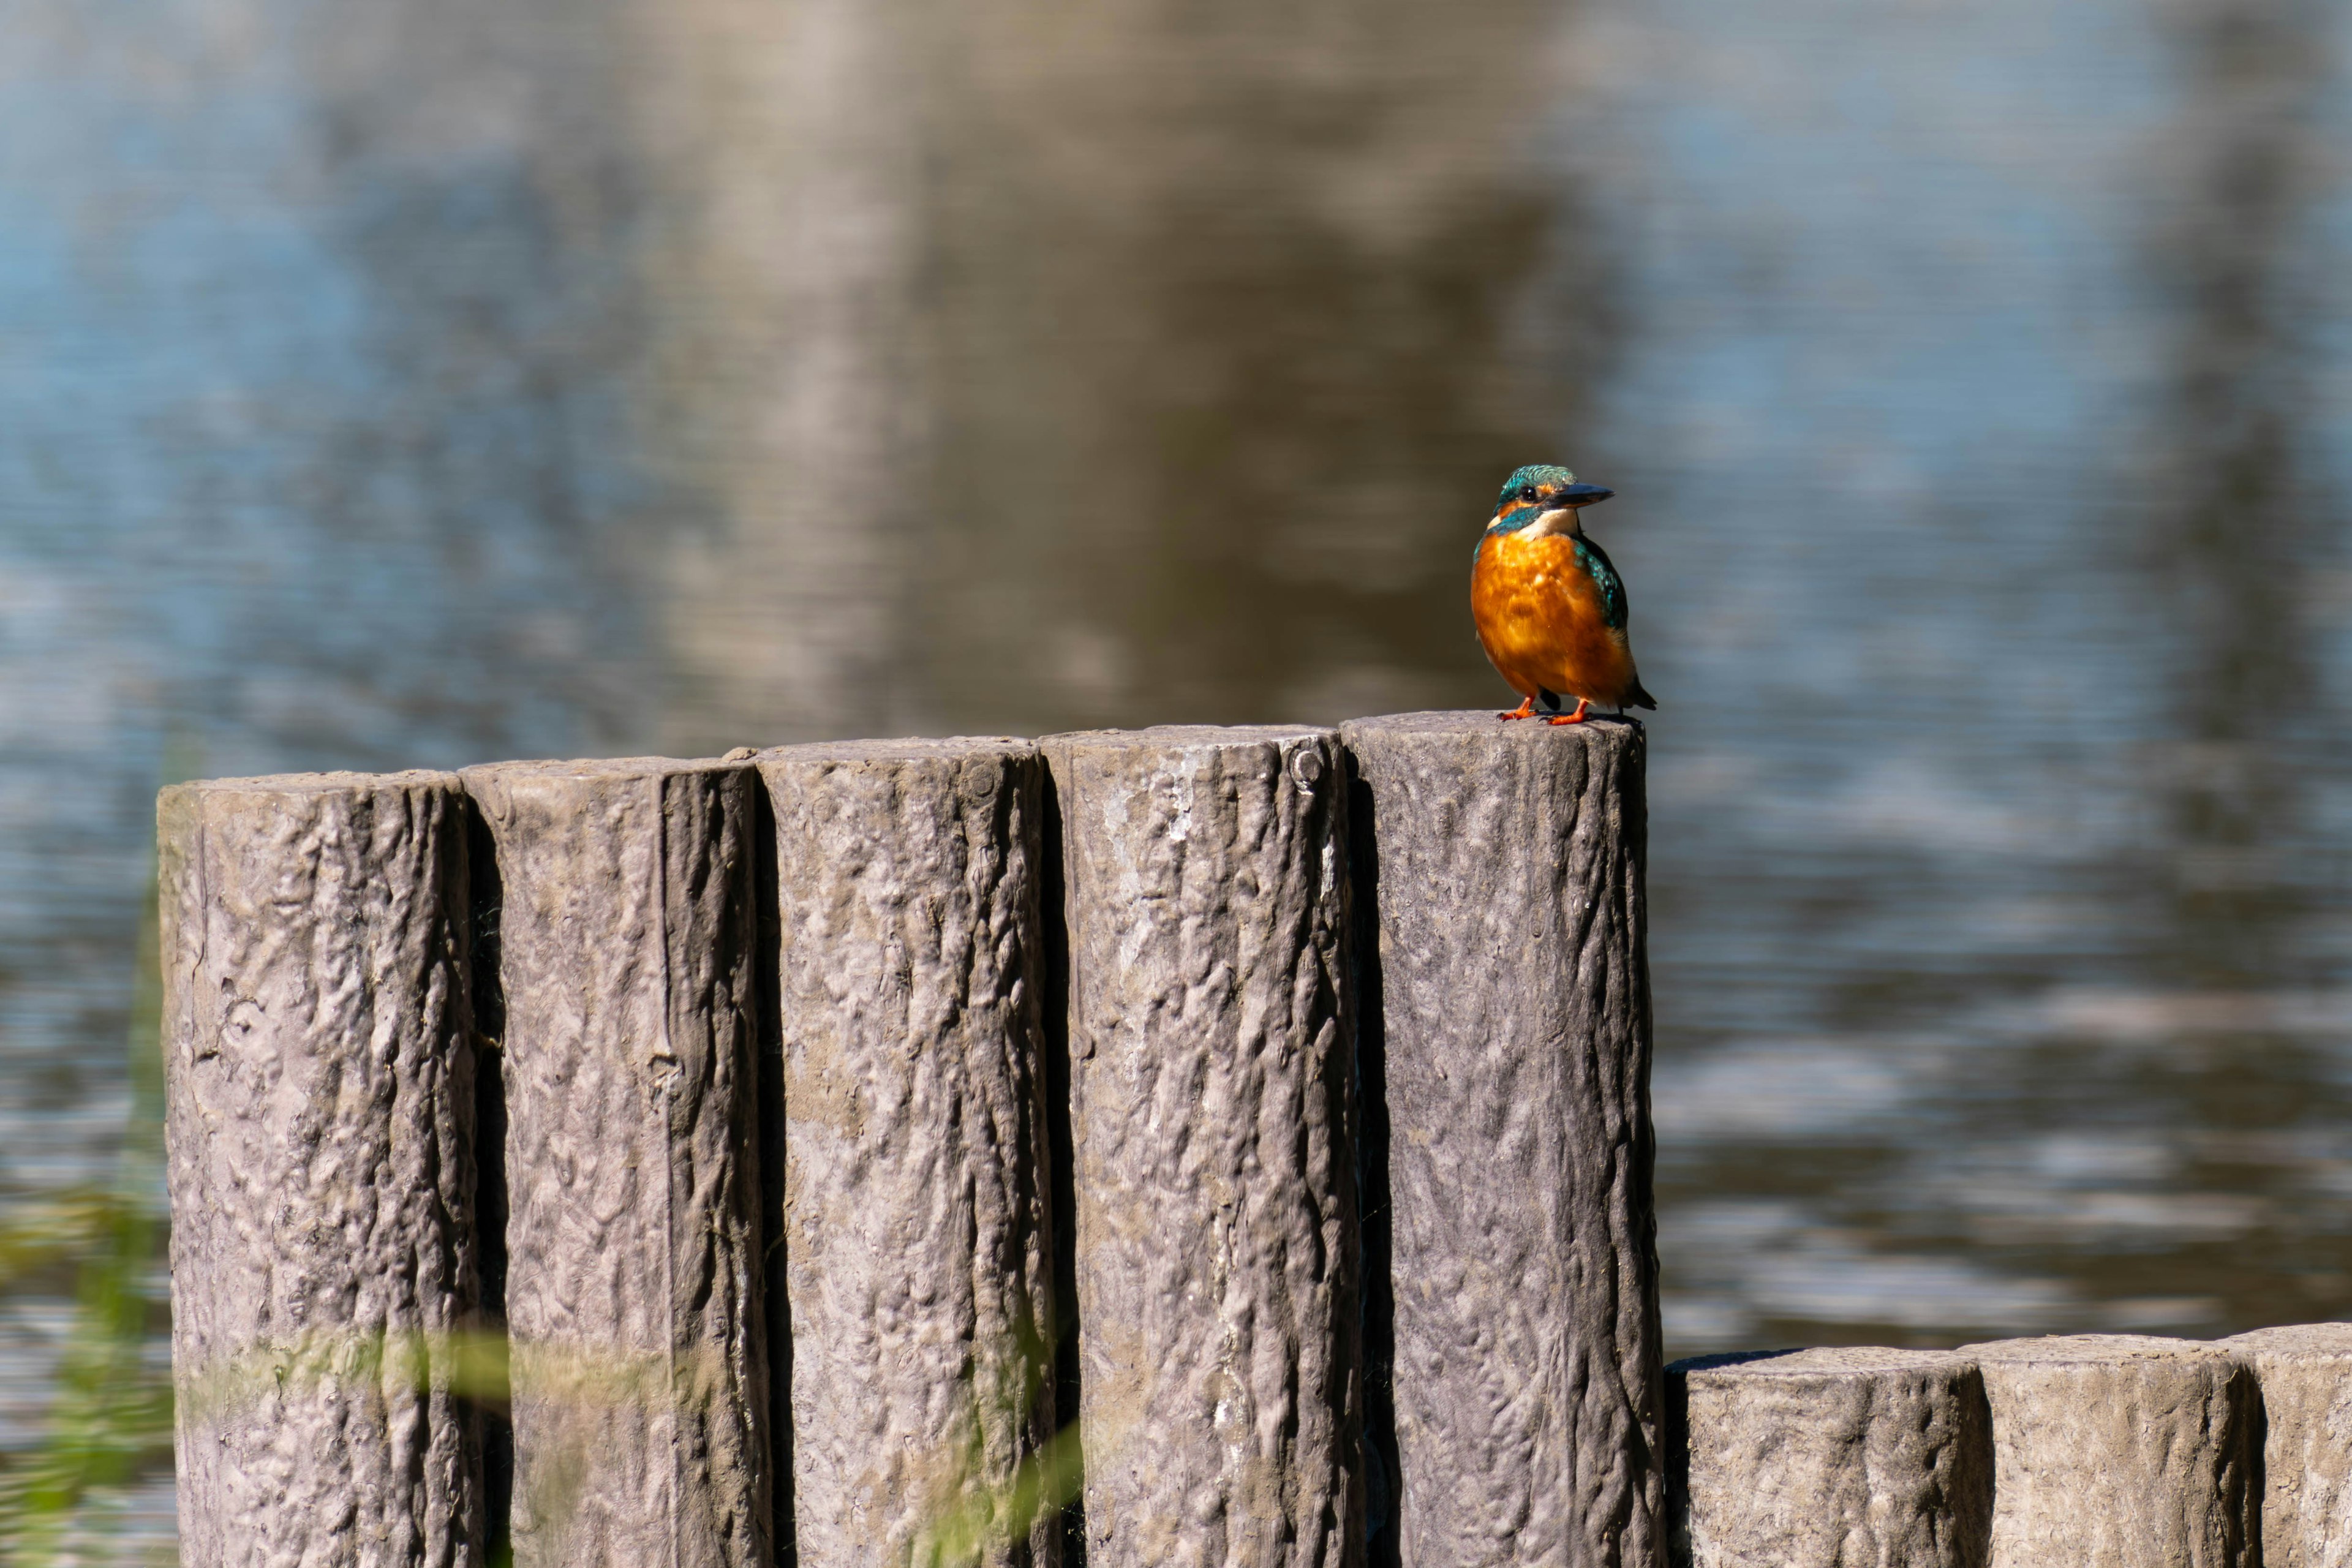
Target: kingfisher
1549	607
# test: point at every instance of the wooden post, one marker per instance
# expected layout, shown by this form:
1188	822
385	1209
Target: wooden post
916	1240
1506	1003
1211	1060
1826	1458
2118	1450
320	1076
628	940
2304	1377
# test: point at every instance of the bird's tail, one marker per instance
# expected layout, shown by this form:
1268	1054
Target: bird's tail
1637	698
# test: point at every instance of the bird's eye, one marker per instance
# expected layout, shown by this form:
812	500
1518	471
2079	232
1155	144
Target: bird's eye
1529	493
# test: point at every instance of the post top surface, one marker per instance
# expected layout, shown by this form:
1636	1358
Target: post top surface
591	768
2091	1350
312	783
2293	1342
1449	733
1177	737
1484	720
1818	1361
911	748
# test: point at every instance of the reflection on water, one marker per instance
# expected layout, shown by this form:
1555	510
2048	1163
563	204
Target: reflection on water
2001	910
1234	306
433	382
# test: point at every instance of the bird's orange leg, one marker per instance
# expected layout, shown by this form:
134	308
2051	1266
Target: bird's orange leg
1526	710
1575	718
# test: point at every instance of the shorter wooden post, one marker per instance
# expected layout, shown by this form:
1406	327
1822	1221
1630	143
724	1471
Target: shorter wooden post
319	1069
1829	1458
916	1245
1210	1055
2304	1374
2118	1450
629	934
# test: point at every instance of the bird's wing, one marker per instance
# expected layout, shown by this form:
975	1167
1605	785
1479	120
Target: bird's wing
1597	566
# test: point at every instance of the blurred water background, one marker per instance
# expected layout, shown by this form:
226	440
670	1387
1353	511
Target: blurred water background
431	382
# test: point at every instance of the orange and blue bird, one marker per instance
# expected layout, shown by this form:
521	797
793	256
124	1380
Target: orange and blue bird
1549	607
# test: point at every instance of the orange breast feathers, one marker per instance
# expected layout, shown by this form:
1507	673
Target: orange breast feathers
1542	623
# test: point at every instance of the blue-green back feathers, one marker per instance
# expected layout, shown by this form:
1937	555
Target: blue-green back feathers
1603	573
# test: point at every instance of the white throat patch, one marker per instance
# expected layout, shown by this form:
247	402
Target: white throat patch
1559	520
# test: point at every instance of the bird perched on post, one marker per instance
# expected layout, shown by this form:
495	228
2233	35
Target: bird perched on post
1549	607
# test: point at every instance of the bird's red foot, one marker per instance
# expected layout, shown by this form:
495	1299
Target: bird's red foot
1526	710
1575	718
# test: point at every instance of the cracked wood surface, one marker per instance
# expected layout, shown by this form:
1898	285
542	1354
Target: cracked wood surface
2305	1376
319	1073
629	936
917	1251
1859	1456
2119	1451
1507	1006
1211	1058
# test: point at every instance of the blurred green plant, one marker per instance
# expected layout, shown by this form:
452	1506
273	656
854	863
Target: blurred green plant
110	1415
978	1510
980	1520
971	1519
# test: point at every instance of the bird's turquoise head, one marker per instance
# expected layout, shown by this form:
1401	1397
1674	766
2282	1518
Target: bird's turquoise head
1545	487
1542	499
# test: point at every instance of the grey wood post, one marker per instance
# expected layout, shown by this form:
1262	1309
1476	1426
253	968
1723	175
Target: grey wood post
628	940
2304	1377
917	1244
1853	1458
1210	1055
2118	1450
318	1072
1507	1003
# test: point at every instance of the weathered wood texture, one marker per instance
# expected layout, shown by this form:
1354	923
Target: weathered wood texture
2304	1377
1211	1055
628	936
916	1239
1854	1457
2118	1451
320	1078
1507	1004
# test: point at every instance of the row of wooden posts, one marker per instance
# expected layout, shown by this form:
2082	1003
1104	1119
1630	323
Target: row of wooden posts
1181	1146
777	1159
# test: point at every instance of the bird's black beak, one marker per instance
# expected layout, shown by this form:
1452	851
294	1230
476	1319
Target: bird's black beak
1582	495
